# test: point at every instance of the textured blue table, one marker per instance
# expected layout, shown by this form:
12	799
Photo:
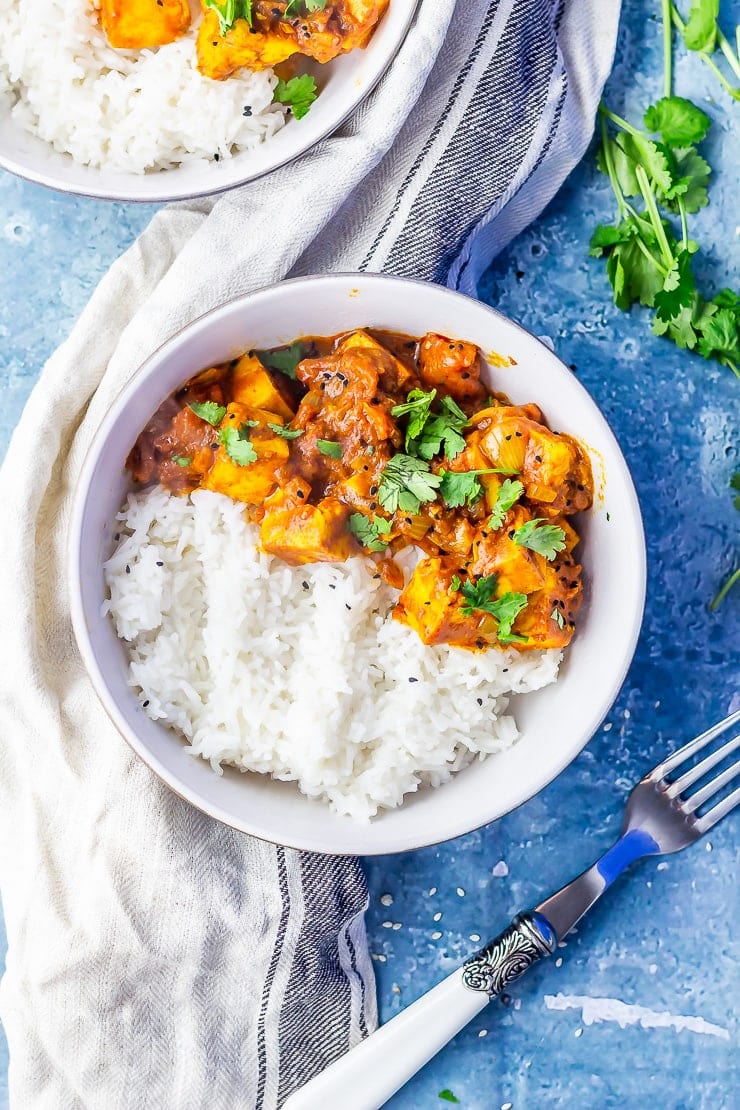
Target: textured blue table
666	942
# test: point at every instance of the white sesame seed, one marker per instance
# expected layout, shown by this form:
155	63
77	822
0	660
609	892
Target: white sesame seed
505	1106
501	870
627	714
396	989
578	1033
559	962
437	916
387	924
436	936
483	1033
432	890
653	968
386	899
662	866
378	956
396	926
608	727
460	892
475	936
709	846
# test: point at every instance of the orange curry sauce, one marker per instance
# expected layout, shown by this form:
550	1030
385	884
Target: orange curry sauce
328	469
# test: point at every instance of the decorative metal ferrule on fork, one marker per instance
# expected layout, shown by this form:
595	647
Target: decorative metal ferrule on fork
528	939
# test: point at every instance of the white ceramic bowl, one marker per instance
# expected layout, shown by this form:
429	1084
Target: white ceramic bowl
344	82
556	722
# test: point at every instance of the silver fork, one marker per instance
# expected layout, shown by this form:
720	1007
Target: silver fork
660	817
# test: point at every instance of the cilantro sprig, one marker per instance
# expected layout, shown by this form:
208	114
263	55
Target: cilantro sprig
285	359
459	487
545	539
228	11
427	432
330	448
406	483
283	432
479	596
303	7
237	444
508	495
370	531
210	411
648	259
298	93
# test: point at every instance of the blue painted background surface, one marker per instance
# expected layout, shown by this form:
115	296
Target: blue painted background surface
665	938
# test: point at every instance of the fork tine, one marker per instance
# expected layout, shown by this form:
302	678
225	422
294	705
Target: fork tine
697	772
701	796
693	746
705	823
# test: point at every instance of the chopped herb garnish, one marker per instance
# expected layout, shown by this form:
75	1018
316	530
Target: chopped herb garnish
237	445
209	411
457	487
448	1096
301	7
545	539
479	596
406	483
370	531
417	407
181	460
285	359
441	430
298	93
508	495
455	582
286	433
228	11
330	448
558	617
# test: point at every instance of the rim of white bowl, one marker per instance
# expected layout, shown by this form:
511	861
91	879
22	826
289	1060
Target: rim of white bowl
537	783
58	183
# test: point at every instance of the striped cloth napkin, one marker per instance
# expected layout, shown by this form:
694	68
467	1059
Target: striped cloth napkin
157	958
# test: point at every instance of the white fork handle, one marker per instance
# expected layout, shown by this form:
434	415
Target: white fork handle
366	1077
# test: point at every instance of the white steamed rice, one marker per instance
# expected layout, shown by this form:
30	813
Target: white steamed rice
131	111
297	672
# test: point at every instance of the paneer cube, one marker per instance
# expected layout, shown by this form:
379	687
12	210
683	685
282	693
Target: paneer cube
517	568
252	385
255	481
136	24
300	533
432	607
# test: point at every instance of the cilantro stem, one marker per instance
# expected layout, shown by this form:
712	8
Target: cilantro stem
609	163
654	214
734	93
715	604
642	246
729	53
666	7
622	124
684	226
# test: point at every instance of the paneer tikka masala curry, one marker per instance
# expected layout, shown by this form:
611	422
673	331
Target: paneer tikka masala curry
373	442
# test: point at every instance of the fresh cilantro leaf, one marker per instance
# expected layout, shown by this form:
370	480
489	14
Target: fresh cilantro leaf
480	596
735	485
700	32
545	539
417	407
298	7
298	93
678	120
370	531
558	617
440	430
285	433
634	274
719	336
448	1096
735	575
455	582
459	486
237	445
406	483
607	235
694	172
330	448
181	460
630	151
678	289
285	359
726	298
228	11
209	411
508	495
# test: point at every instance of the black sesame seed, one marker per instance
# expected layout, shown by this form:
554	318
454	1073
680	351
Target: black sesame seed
247	110
408	520
373	490
479	643
538	458
412	679
373	504
580	488
376	576
479	700
507	438
375	401
427	603
214	44
144	704
518	435
332	586
504	670
216	157
410	343
346	606
465	374
160	563
511	535
128	569
452	346
117	536
305	585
